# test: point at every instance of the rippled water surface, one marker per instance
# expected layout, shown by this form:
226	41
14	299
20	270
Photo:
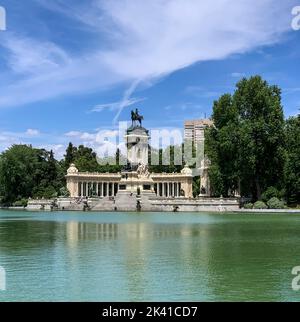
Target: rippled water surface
148	257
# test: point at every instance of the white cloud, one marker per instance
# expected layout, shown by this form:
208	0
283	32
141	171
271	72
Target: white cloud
30	56
32	132
58	149
8	138
116	105
146	40
73	134
81	135
200	91
104	142
291	90
237	75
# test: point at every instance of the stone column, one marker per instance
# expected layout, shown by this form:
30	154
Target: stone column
163	189
113	189
97	189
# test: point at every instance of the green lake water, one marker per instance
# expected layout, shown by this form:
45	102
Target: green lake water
73	256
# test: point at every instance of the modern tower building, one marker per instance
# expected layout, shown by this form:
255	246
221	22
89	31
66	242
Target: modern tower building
194	129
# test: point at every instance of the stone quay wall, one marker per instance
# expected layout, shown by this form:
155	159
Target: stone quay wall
129	202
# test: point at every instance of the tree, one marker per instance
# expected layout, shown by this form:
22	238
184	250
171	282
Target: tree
70	154
86	159
18	172
261	124
246	144
222	147
292	165
27	172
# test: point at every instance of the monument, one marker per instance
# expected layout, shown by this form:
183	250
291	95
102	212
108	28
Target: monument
135	188
134	185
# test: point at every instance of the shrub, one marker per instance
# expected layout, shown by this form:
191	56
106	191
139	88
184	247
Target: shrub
270	193
47	193
248	205
20	203
275	203
260	205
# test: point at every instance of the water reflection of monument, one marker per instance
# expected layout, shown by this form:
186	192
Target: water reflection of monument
145	254
78	231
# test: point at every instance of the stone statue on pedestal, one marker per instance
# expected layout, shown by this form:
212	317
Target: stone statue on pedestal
136	117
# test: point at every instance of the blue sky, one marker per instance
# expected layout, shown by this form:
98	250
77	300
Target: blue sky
70	70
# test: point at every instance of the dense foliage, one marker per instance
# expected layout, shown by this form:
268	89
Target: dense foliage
27	172
292	164
251	146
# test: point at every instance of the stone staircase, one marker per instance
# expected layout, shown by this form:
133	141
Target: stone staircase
104	204
145	201
126	201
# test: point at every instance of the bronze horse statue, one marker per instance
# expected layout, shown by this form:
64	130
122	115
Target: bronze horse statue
136	117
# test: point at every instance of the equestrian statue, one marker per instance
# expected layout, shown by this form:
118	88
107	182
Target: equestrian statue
136	117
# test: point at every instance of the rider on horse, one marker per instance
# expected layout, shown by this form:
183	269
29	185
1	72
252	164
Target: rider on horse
135	116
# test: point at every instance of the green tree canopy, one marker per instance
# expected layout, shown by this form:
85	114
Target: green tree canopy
28	172
292	166
246	144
